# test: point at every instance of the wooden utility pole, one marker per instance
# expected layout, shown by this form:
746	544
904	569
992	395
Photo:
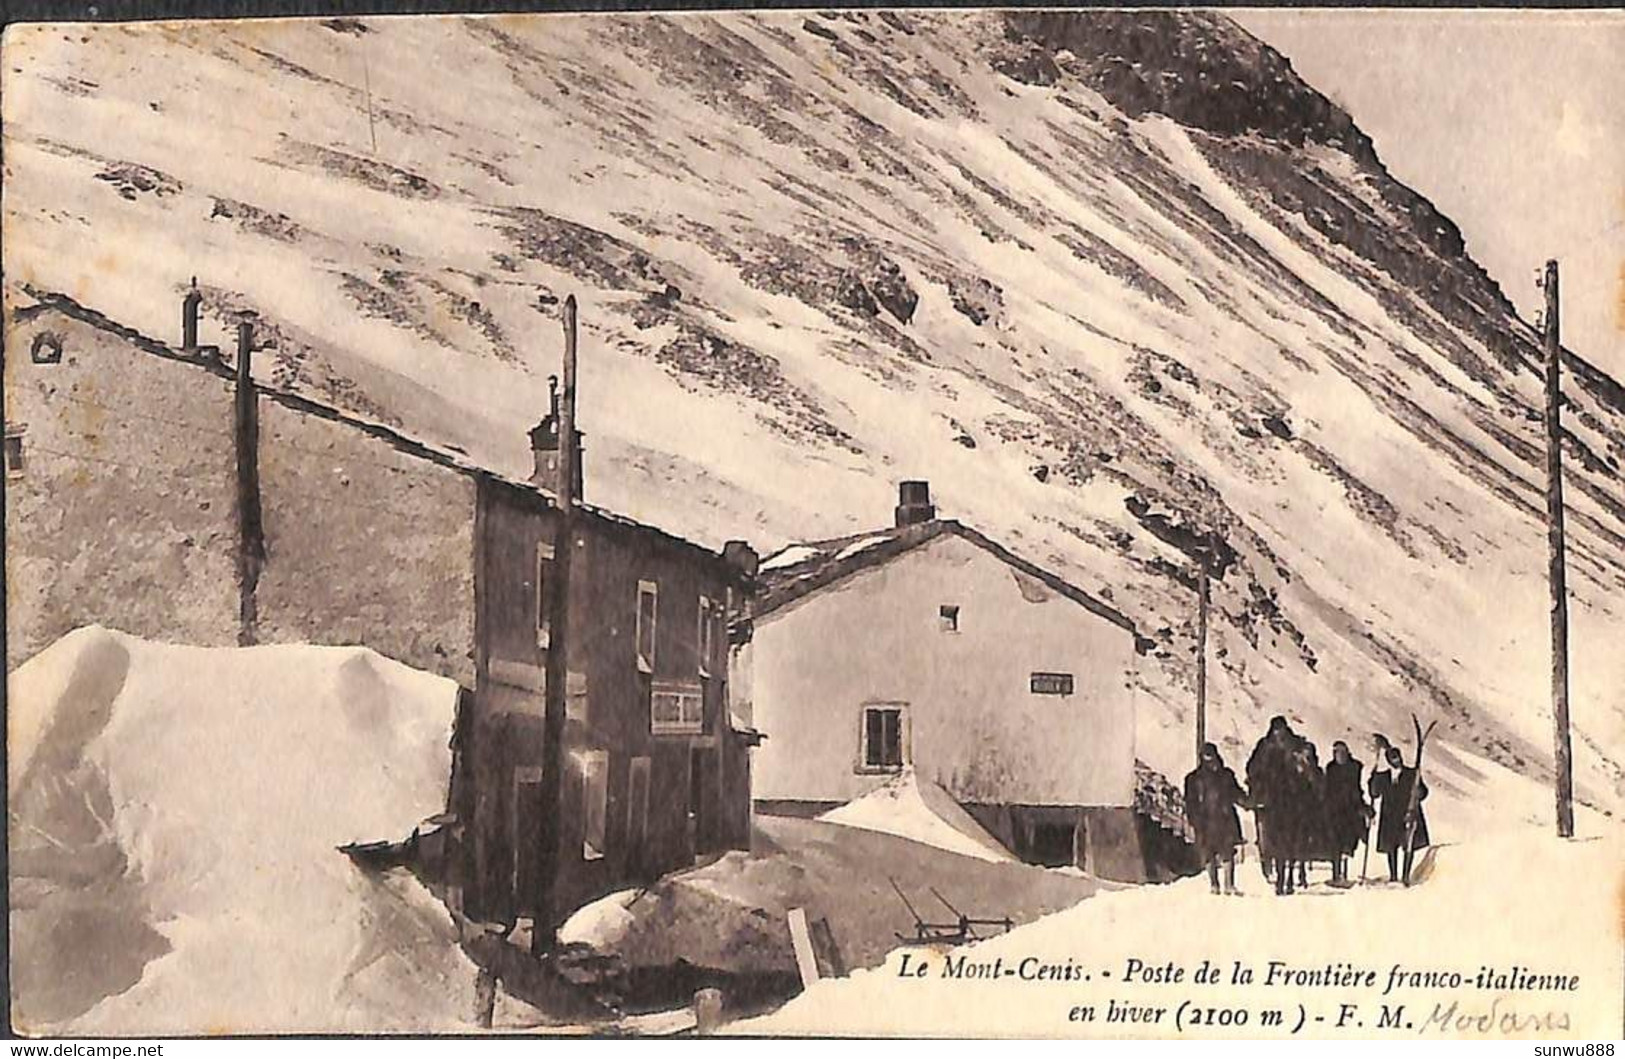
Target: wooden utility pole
1201	658
1562	753
558	672
250	520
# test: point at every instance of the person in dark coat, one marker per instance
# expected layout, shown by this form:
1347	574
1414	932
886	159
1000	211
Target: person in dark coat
1298	793
1394	789
1380	776
1260	773
1346	813
1269	782
1211	796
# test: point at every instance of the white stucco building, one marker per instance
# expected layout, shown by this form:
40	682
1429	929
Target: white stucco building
927	645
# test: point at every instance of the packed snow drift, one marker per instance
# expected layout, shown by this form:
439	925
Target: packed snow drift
727	922
175	813
912	808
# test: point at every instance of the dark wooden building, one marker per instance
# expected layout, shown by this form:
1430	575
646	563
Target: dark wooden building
656	773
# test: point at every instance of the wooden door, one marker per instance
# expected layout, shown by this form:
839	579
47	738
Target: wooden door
526	838
702	779
637	818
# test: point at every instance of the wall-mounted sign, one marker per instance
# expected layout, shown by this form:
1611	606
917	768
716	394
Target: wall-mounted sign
1052	683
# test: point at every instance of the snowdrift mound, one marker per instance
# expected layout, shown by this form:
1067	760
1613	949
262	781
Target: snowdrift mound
726	923
602	923
919	810
175	813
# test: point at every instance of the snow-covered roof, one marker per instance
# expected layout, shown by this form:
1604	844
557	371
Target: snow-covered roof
1160	800
801	569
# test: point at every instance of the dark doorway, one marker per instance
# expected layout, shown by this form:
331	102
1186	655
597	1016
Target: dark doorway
1053	845
701	780
637	818
527	839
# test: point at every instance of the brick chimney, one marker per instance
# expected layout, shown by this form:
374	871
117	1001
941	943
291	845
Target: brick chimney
914	504
544	445
741	557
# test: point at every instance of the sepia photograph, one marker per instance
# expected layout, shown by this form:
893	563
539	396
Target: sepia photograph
887	523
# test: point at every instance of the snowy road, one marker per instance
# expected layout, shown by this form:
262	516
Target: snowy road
1485	909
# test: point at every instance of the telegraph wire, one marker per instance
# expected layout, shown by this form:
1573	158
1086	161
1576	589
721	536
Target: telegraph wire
1586	242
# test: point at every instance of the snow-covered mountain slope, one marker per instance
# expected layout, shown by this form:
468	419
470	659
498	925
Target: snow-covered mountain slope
174	818
1108	280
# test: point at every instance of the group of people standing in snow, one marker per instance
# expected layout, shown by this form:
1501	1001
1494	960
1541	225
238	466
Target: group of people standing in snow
1304	812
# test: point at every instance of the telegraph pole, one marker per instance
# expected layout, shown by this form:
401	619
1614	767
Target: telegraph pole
1201	658
250	516
558	615
1562	752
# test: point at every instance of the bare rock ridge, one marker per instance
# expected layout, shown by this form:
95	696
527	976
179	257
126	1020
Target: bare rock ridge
1196	67
1203	71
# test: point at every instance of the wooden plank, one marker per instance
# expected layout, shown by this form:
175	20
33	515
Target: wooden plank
830	961
801	941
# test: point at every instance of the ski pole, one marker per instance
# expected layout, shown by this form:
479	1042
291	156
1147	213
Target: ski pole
1370	837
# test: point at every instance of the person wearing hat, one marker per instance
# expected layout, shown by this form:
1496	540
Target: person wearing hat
1211	796
1345	809
1298	814
1394	788
1270	785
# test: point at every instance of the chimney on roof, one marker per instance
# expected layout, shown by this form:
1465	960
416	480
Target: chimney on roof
741	557
914	504
544	445
189	312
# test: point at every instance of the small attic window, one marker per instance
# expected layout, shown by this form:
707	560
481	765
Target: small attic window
14	452
47	348
948	617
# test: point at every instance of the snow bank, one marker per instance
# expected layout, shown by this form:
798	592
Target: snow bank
1484	902
921	811
175	817
726	923
602	923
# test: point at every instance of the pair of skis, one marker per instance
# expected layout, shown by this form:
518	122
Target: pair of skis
1413	806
